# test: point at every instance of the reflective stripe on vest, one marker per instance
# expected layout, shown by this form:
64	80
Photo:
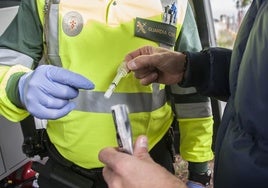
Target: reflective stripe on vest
197	108
193	110
136	102
14	58
51	32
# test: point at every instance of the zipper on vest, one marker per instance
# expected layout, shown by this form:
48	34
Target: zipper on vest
112	2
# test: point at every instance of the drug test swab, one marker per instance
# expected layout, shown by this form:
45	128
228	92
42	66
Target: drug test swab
122	71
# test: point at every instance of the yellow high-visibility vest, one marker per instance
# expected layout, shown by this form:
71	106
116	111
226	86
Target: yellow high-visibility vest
91	38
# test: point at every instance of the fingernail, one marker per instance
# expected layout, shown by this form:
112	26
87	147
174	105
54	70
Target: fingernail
143	143
132	65
155	77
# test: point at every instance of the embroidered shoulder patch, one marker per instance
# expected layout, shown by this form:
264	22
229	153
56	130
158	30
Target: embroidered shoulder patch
72	23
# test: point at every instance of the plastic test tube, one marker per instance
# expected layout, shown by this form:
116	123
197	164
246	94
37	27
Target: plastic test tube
122	71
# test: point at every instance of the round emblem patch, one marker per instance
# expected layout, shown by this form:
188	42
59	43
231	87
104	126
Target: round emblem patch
72	23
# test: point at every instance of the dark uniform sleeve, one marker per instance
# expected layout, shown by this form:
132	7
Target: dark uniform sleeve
208	71
25	34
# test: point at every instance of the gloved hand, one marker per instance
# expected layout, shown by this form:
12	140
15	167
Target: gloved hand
46	91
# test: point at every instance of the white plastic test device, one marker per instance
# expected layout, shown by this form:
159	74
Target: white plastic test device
123	128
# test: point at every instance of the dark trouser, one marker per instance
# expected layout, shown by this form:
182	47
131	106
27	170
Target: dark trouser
55	175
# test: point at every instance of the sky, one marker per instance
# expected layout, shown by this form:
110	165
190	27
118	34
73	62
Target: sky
220	7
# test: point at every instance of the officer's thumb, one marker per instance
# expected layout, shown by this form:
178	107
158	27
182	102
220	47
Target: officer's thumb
141	148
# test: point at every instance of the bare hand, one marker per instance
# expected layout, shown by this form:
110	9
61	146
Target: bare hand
139	171
155	64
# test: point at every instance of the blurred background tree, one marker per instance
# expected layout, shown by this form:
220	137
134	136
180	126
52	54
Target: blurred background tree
242	3
228	25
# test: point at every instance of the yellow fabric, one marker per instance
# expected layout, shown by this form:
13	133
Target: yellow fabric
82	140
107	36
7	109
196	139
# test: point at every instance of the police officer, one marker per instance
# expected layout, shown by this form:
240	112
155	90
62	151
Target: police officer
83	43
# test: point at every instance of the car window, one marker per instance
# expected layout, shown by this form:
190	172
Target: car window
227	18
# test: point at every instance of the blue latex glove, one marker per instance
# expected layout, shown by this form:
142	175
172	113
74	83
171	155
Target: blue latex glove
46	91
191	184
